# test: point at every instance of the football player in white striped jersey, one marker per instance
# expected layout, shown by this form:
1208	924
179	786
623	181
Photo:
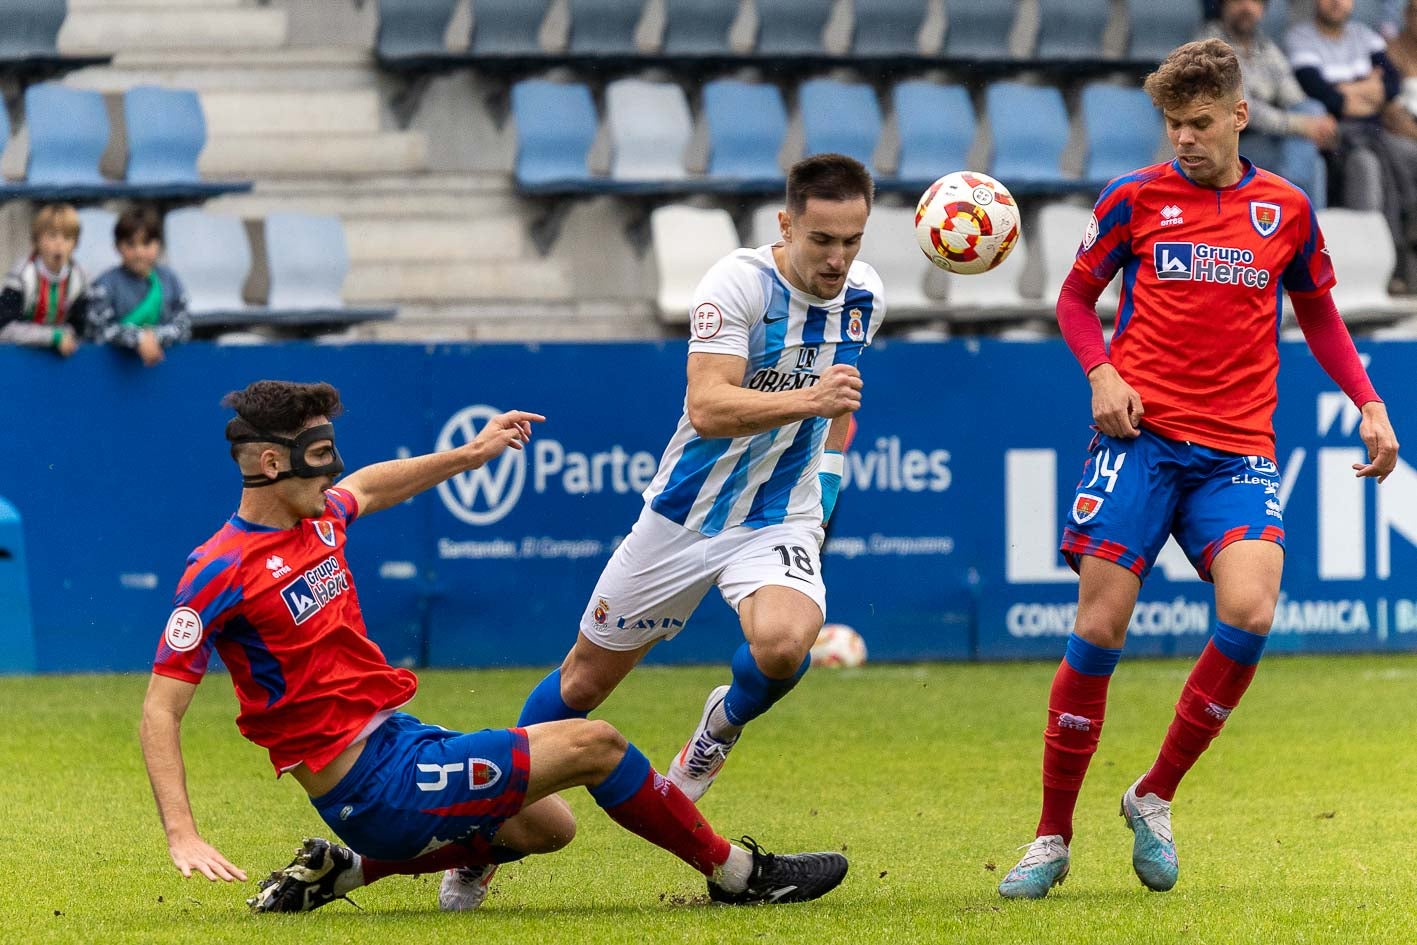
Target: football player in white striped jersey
749	478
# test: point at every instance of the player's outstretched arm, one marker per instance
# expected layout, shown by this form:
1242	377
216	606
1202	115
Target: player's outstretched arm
387	484
161	736
1380	439
719	406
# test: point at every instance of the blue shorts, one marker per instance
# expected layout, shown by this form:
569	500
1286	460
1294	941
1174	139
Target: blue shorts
1134	493
418	787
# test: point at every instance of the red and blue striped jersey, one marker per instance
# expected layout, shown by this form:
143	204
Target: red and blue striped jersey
280	607
1204	272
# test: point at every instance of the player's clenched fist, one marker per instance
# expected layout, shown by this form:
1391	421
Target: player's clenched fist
838	392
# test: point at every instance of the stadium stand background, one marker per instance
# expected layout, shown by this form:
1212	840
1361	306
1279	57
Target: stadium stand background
419	164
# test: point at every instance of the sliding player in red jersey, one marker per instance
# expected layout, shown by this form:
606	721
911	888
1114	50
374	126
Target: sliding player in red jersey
1183	402
272	593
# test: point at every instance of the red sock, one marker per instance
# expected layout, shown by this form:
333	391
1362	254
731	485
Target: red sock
444	858
1076	705
664	816
1211	693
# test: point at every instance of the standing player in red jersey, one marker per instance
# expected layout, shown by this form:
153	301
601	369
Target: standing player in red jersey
272	593
1183	403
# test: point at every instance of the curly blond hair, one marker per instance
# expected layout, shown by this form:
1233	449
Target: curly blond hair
1204	69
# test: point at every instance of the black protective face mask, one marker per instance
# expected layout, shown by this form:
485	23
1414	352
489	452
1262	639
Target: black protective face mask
238	432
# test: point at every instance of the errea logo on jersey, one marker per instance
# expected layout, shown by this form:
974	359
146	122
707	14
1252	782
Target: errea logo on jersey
1171	215
1201	262
305	595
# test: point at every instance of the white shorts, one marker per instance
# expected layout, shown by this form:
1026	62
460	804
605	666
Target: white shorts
660	572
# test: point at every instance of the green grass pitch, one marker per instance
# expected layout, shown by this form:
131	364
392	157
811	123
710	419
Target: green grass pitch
1297	827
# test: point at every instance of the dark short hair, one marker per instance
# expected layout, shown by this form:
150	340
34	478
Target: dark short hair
141	222
283	407
1204	69
828	177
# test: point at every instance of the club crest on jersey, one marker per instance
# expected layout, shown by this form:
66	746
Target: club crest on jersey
1086	507
482	773
855	329
1264	217
601	612
326	531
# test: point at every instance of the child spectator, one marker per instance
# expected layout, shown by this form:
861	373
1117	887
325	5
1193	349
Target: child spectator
45	299
141	305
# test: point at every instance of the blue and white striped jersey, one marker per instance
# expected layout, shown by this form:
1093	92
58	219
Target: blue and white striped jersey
744	306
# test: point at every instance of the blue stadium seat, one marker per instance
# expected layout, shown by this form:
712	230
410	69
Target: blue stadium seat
211	253
1030	128
166	133
95	251
507	27
412	28
887	28
840	116
307	259
649	128
978	32
1071	30
697	27
1123	130
937	127
792	27
31	28
556	125
747	123
68	130
1155	27
603	27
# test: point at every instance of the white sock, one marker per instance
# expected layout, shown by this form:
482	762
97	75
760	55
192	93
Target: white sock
734	873
719	726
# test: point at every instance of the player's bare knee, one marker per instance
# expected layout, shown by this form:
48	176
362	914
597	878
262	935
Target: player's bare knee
780	655
555	828
1257	619
598	746
582	688
1101	633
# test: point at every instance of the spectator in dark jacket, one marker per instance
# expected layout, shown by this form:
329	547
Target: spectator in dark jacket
141	305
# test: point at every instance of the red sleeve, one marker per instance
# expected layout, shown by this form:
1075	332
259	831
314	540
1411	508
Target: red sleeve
1332	346
1078	321
341	503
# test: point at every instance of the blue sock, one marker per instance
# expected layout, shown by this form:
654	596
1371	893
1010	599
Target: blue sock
1242	646
752	693
544	703
624	782
1089	658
